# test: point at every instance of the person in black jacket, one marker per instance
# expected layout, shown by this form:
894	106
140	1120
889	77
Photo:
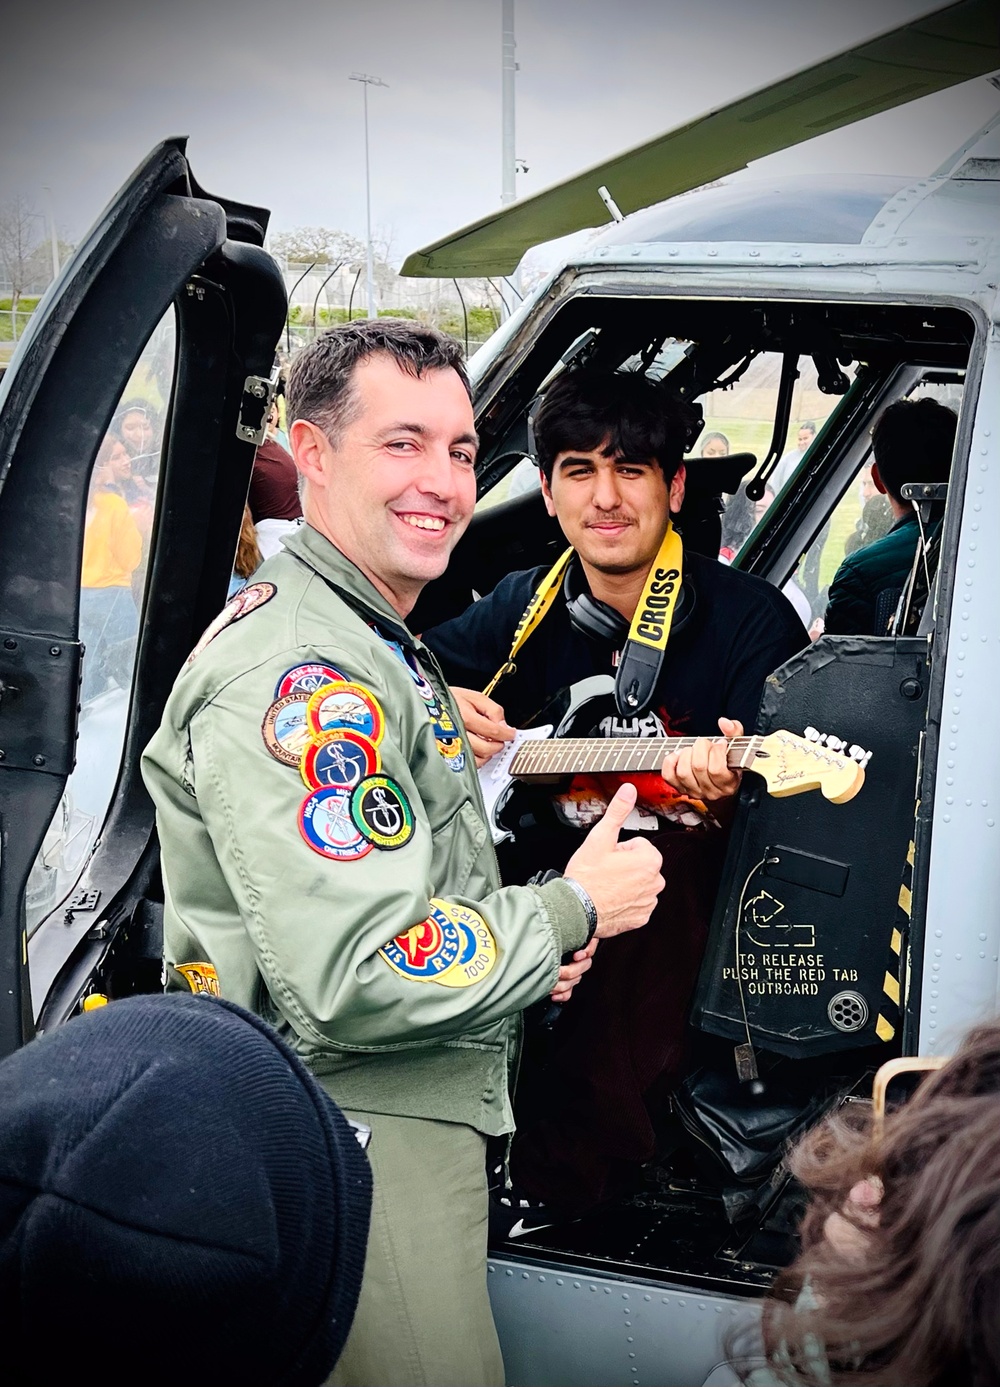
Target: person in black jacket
913	441
610	447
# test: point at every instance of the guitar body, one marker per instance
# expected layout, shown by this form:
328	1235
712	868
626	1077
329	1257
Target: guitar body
585	709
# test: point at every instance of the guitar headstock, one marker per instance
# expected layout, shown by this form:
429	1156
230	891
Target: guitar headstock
816	761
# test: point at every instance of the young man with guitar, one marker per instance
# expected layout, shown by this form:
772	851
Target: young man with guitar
688	643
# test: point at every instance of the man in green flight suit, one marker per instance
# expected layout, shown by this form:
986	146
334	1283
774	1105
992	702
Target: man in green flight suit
325	858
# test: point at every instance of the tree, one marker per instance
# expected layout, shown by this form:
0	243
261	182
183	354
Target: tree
319	245
18	244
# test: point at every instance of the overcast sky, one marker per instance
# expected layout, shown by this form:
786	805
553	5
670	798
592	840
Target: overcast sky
262	90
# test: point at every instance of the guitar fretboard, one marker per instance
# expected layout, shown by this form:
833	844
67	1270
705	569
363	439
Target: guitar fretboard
592	755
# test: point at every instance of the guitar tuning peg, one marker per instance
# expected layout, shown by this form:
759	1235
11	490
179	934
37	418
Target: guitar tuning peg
835	744
857	753
865	759
811	735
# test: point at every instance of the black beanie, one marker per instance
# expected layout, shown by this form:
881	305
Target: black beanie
179	1203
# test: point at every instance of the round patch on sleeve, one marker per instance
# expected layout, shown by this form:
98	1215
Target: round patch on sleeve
247	600
325	823
339	758
427	951
307	679
346	707
479	949
382	812
285	730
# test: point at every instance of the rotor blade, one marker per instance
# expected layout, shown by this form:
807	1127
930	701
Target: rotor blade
927	55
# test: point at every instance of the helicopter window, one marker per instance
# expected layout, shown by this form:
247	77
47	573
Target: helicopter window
119	521
740	419
862	515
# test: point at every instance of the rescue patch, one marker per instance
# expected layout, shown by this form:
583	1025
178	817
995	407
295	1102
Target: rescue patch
427	951
479	949
381	812
200	977
285	730
247	600
350	707
307	679
326	825
339	758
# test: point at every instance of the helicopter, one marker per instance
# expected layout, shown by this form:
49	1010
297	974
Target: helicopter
771	304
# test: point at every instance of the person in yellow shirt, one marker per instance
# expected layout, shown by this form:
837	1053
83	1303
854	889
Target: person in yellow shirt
112	550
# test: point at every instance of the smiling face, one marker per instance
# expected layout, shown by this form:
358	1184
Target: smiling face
397	491
613	512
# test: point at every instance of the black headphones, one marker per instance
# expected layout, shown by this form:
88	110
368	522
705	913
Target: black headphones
594	618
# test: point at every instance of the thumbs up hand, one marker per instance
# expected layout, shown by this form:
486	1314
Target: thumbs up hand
622	879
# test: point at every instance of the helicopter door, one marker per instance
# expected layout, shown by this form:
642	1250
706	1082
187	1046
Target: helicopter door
143	316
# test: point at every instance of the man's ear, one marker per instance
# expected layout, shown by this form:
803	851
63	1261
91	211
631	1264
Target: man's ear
877	480
550	505
311	450
677	485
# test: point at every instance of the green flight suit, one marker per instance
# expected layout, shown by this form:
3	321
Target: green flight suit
295	935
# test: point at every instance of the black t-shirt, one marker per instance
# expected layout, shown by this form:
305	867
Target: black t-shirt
739	630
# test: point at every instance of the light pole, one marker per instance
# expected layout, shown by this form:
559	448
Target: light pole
366	82
53	240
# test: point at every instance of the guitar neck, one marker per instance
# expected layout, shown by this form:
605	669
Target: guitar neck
614	755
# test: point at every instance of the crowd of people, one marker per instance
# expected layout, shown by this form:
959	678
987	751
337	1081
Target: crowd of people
310	734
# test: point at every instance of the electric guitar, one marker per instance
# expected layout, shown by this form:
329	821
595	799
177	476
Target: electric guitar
789	764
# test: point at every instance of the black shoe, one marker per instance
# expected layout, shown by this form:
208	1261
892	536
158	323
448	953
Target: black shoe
513	1215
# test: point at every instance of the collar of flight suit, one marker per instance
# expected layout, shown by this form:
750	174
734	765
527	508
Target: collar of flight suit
345	578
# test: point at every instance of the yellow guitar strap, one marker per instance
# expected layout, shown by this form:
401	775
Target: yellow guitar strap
541	600
648	633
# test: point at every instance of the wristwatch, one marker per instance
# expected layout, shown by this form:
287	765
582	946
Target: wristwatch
582	895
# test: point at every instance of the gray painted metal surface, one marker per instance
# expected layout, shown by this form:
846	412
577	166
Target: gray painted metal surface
962	948
559	1328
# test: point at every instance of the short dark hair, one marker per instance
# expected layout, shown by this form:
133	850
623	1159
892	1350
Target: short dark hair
320	378
913	441
623	412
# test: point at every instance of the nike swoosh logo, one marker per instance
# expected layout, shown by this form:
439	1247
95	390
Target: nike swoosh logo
520	1228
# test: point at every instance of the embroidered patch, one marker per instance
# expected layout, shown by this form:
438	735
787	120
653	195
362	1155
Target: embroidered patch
426	951
307	679
284	729
200	977
479	949
326	825
350	707
247	600
381	812
339	758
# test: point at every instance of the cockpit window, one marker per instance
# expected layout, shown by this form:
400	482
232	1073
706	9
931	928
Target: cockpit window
119	522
